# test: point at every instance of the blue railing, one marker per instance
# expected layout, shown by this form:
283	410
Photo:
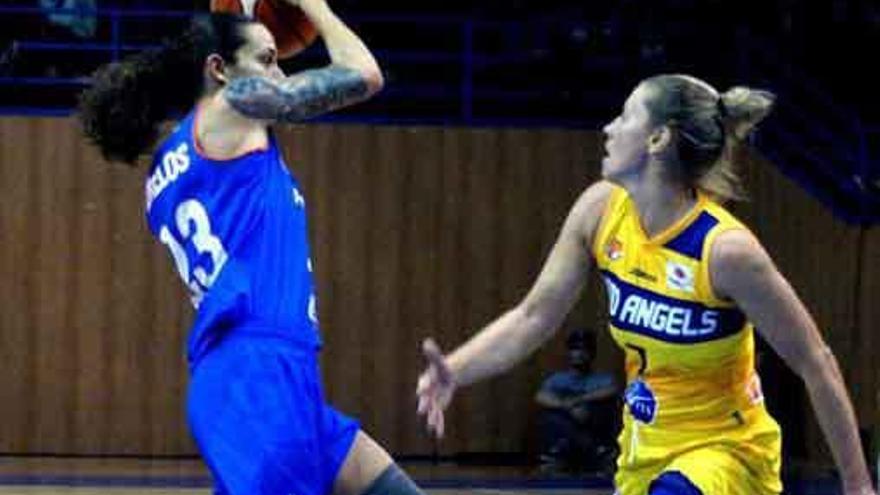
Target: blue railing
453	70
819	143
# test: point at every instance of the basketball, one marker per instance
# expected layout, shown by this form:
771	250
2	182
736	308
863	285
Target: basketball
293	31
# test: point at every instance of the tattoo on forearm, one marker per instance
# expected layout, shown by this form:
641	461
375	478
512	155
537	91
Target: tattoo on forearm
301	96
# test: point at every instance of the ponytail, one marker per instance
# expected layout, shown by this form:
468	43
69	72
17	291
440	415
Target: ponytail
709	127
742	108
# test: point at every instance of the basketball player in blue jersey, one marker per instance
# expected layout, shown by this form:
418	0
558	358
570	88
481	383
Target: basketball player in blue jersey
685	282
220	198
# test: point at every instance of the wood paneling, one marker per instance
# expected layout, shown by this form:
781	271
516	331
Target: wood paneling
416	231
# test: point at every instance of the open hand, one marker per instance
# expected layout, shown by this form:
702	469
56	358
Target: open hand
435	388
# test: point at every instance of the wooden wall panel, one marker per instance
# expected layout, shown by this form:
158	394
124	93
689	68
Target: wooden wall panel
866	382
456	229
17	341
416	231
84	304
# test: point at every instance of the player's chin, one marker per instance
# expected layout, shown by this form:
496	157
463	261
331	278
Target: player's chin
607	167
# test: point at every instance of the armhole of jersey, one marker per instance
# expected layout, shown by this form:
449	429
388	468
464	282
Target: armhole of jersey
610	205
706	272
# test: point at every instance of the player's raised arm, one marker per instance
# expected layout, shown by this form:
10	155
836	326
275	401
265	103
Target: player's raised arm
353	75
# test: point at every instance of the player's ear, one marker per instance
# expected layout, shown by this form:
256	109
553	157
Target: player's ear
659	139
215	69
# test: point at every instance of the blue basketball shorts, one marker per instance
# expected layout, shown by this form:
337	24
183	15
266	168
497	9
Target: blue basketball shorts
257	412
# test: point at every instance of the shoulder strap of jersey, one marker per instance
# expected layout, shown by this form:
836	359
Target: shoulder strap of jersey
727	222
615	200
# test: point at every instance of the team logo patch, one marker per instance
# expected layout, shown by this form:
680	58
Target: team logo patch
638	272
679	277
754	391
641	401
614	249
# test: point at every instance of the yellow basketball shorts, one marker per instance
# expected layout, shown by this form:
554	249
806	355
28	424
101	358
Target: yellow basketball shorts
734	462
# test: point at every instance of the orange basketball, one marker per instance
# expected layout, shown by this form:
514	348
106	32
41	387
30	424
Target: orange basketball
293	31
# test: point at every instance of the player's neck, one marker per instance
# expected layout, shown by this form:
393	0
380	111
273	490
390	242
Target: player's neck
661	203
223	132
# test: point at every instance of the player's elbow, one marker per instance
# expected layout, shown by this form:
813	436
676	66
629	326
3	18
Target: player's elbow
814	364
374	79
538	319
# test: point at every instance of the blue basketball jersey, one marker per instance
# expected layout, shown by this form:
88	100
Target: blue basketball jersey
236	231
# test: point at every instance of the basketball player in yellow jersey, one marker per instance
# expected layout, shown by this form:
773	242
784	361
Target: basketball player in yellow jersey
686	282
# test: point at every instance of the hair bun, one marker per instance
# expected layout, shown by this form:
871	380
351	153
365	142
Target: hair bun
742	108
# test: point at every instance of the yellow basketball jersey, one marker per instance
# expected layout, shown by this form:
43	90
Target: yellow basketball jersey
693	394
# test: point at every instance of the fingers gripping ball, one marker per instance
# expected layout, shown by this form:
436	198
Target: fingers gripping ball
293	31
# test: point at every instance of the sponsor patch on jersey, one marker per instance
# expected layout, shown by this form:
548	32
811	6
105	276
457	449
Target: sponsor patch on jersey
754	390
679	277
614	249
641	402
638	272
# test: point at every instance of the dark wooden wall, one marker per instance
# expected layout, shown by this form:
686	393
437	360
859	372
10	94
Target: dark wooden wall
416	231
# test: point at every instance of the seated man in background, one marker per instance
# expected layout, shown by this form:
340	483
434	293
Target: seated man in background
579	416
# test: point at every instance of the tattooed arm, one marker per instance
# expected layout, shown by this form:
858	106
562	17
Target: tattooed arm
301	96
352	76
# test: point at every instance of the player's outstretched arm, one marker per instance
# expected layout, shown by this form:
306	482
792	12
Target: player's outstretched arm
518	332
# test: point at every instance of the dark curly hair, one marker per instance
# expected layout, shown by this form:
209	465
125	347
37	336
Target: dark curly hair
122	109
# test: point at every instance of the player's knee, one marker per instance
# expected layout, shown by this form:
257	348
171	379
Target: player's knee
393	481
673	483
